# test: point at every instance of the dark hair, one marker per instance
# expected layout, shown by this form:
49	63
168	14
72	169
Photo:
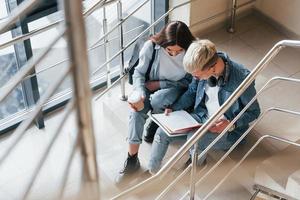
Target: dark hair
174	33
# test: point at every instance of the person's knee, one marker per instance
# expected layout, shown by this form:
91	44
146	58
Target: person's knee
135	115
160	100
161	137
157	105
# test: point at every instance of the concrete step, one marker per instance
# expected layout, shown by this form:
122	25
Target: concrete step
293	184
281	172
231	189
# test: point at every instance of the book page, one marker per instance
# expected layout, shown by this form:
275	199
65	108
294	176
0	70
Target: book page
177	122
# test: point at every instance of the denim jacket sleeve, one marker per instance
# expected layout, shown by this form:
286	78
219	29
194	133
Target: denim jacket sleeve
182	83
253	111
188	98
141	69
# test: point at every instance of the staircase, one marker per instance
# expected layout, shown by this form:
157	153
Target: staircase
281	172
274	173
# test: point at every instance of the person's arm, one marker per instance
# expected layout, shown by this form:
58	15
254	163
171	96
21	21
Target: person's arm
141	69
182	83
253	111
188	98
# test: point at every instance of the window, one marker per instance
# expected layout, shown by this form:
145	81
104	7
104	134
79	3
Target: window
15	102
46	71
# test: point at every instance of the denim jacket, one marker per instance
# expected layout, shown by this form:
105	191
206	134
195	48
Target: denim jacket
140	70
195	96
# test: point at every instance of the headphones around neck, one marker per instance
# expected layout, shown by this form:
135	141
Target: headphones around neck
221	80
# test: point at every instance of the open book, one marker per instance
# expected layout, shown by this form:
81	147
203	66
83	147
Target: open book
176	123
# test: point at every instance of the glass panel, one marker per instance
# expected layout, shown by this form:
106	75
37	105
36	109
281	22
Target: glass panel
15	101
48	69
134	25
3	11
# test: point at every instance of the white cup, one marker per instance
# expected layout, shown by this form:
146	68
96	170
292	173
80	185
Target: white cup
136	99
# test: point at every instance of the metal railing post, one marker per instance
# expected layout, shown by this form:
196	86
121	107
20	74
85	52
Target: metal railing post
152	13
193	172
106	48
231	28
79	62
253	197
122	71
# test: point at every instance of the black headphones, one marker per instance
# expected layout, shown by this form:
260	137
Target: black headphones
221	80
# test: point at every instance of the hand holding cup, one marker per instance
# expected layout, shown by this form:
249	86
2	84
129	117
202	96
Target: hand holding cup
136	100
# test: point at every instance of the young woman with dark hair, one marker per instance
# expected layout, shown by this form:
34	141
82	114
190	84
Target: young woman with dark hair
166	82
175	33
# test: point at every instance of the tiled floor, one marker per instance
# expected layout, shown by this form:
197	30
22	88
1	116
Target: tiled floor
248	45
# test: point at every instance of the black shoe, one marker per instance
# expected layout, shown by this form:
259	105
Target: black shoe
189	161
150	132
131	165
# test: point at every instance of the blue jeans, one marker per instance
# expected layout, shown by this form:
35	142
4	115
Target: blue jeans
157	101
162	141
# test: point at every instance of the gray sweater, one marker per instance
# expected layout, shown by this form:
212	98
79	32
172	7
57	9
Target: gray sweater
140	71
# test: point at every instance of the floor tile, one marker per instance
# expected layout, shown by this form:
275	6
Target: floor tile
262	39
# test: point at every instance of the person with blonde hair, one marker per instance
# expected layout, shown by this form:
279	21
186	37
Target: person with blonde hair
216	77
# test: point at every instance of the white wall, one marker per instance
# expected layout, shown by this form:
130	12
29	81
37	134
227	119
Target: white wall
285	12
202	9
182	13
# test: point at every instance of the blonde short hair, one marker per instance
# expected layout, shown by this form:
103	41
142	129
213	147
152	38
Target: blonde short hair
199	53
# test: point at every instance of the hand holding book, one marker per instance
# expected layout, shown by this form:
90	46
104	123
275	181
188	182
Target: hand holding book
174	123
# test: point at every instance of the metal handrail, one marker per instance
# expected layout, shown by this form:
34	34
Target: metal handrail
66	170
123	21
79	68
77	46
97	5
221	13
270	192
129	44
164	192
247	154
114	38
185	171
87	13
251	127
122	49
240	139
19	132
157	21
26	36
62	61
23	9
253	197
141	34
46	152
18	77
248	130
134	40
204	128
